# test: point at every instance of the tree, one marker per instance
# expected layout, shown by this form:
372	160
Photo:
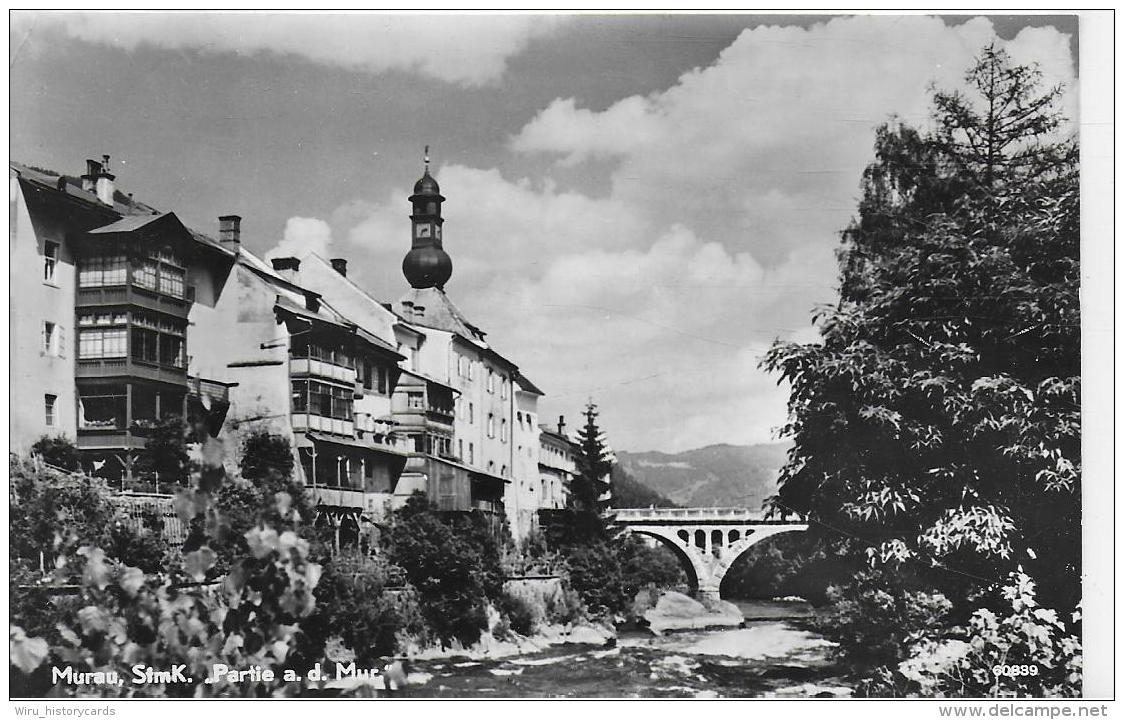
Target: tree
165	451
58	451
451	564
594	464
937	420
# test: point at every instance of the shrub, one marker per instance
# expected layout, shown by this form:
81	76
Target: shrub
1027	636
58	451
594	572
879	615
353	604
453	563
519	612
127	617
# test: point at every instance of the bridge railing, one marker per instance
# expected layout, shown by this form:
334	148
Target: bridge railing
738	513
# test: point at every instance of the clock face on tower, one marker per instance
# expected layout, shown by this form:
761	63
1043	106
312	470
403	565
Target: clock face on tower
423	231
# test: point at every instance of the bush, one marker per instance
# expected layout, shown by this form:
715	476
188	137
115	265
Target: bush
594	572
58	451
878	616
1027	636
452	562
520	614
353	604
126	617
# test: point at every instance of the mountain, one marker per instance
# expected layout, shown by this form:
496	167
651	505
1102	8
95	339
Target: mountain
716	475
630	493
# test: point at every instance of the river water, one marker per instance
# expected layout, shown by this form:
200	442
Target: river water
774	655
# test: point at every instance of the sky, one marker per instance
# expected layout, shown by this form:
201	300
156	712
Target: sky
638	206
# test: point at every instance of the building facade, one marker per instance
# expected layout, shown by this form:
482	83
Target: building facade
129	317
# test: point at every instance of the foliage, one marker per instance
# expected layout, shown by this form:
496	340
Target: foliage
251	500
643	566
794	564
58	451
519	613
879	615
353	603
628	492
266	456
251	618
165	451
939	416
43	502
594	572
594	464
1030	645
937	423
453	563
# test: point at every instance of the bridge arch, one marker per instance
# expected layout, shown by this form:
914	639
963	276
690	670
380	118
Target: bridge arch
692	565
707	541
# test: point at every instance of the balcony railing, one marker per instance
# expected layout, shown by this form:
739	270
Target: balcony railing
131	295
129	367
307	421
322	368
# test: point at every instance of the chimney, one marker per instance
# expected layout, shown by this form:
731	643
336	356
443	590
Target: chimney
287	267
99	180
340	265
230	232
561	424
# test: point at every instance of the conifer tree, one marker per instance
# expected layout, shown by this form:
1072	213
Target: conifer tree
594	465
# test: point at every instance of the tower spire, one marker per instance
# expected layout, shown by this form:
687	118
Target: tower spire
427	158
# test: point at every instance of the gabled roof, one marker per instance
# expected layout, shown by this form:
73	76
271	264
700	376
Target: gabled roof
132	214
526	385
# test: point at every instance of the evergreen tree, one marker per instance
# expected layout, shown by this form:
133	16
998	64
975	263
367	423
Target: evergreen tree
594	464
938	418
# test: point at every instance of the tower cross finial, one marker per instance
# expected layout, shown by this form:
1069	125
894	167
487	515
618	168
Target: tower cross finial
427	158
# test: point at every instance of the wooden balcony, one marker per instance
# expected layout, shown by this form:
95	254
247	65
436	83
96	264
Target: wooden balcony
322	369
115	295
126	367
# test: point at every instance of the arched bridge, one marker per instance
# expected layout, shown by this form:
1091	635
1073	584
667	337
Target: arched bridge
707	541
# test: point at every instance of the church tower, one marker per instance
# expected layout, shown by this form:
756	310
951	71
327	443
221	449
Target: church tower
427	264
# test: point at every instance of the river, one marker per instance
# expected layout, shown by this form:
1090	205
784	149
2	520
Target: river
774	655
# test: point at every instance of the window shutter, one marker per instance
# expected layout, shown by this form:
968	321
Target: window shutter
60	350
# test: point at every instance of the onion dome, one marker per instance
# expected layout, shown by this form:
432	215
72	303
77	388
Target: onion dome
426	267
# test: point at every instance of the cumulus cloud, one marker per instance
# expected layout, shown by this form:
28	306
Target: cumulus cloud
303	236
727	193
463	49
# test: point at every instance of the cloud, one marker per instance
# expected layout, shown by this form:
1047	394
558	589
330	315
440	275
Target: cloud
303	236
716	236
468	50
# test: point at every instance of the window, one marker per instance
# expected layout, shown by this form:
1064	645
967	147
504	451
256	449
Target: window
491	425
50	260
316	398
366	374
471	413
503	388
414	401
460	448
503	430
471	454
384	380
49	408
491	381
171	281
94	344
102	271
48	338
144	274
